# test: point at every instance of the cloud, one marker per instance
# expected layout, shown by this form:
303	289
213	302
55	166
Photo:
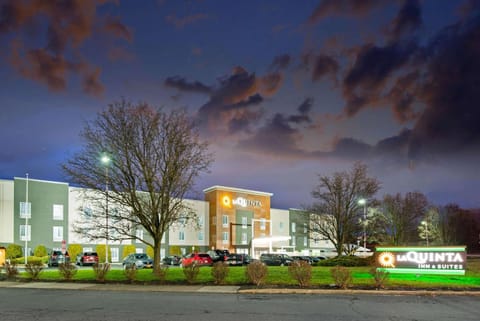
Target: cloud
343	7
180	22
183	85
280	62
408	20
66	26
324	65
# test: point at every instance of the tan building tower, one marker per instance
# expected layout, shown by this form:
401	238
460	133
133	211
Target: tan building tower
236	217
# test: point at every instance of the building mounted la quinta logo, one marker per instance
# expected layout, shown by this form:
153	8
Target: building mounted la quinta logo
240	201
428	260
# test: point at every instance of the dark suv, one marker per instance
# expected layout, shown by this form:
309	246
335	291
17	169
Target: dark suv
218	255
57	257
275	259
239	259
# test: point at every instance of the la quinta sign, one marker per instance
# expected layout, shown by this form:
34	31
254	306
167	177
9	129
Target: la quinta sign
428	260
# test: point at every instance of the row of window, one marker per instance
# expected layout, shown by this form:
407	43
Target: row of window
26	233
26	211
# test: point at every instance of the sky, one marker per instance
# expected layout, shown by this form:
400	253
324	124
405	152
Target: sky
283	91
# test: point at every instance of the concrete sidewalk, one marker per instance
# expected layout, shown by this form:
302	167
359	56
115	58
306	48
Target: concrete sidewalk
227	289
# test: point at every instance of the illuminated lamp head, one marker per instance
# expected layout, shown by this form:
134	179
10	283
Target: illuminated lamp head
226	201
386	259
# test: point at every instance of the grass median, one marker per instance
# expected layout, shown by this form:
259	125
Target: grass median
279	276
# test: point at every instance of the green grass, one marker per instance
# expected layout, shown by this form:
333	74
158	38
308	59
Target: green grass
279	276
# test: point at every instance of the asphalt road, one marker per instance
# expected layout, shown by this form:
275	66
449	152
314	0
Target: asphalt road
86	305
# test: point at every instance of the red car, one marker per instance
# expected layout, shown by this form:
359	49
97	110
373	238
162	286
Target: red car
197	258
87	258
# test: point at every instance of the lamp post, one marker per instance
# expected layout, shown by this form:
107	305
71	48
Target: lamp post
425	223
363	202
26	212
106	161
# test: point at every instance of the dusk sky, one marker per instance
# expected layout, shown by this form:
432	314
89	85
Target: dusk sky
283	90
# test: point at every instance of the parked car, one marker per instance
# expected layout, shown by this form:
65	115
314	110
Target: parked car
317	259
87	258
238	259
197	258
218	255
172	260
307	259
57	257
275	259
139	260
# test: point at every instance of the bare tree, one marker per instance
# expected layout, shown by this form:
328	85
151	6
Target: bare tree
401	216
155	156
337	214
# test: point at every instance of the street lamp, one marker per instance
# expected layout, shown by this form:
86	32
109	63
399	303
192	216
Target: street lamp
363	202
27	212
425	223
106	161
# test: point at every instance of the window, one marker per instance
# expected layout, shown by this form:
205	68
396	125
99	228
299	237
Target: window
58	212
201	236
225	220
138	250
25	210
225	237
201	221
244	222
181	235
58	233
87	210
280	226
115	254
139	235
294	241
305	241
244	238
25	233
263	224
294	225
305	230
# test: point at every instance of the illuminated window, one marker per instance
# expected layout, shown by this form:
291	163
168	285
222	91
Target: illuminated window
294	242
181	235
58	233
25	233
225	220
244	238
305	230
263	224
244	222
139	235
225	237
25	210
294	225
58	212
305	241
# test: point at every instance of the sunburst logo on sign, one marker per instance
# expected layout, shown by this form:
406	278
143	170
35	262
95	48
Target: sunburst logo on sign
226	201
386	259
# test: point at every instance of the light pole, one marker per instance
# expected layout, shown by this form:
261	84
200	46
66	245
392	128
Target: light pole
363	202
425	223
27	212
106	162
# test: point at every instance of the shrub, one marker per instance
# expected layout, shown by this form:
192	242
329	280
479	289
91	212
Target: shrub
380	277
11	270
30	259
34	269
150	251
175	250
13	251
256	273
161	273
100	249
40	251
341	276
67	270
128	249
301	271
130	272
191	272
74	250
101	270
219	272
346	260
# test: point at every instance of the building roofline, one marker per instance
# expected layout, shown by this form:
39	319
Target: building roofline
236	190
39	180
